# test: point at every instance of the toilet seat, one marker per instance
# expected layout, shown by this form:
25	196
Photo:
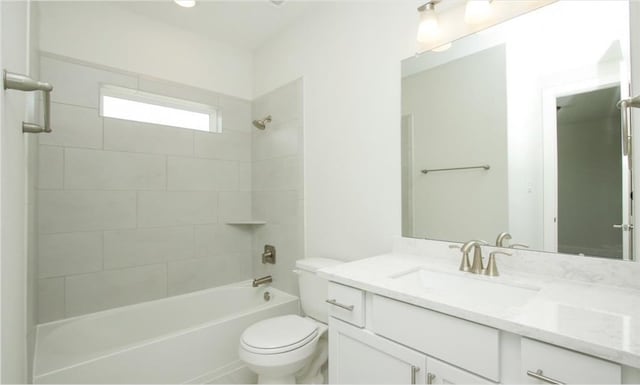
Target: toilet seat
279	335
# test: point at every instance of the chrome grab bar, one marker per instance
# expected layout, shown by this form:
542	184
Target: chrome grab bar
539	376
414	373
13	81
484	166
336	303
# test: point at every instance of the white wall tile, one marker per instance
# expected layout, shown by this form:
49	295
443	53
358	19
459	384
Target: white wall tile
97	291
279	140
74	126
69	253
276	207
234	205
198	274
228	145
176	208
124	135
106	170
69	211
236	114
216	240
283	104
189	174
124	248
176	90
79	84
277	174
50	299
50	168
244	176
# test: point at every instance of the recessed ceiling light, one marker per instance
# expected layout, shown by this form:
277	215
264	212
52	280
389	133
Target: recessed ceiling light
186	3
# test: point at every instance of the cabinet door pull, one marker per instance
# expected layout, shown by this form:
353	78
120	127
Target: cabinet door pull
430	378
414	373
539	376
336	303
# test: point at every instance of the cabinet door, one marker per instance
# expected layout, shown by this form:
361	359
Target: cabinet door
439	372
357	356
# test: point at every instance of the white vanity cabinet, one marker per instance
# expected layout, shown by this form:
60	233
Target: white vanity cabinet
358	356
383	340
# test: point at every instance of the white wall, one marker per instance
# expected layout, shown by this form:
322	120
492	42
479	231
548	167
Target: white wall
100	32
350	57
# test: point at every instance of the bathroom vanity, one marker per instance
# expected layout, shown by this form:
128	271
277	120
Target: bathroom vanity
411	317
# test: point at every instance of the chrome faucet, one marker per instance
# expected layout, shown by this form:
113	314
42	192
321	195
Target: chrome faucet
476	267
492	267
262	281
504	236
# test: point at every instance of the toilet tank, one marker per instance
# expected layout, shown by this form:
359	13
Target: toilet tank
313	289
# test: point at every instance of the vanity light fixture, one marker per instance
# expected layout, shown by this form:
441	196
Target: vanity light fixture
442	48
186	3
428	29
477	11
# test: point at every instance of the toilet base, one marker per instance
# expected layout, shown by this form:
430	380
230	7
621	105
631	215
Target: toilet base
262	379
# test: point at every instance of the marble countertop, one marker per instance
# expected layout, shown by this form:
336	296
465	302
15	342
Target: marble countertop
596	319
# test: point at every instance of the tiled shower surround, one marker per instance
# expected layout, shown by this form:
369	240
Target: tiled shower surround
129	212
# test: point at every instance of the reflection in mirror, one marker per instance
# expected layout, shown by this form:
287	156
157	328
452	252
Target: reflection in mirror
516	129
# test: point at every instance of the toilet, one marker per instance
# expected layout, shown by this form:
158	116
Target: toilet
292	349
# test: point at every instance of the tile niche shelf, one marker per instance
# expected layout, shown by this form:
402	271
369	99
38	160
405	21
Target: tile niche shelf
246	222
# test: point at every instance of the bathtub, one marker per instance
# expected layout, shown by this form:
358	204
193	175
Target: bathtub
191	338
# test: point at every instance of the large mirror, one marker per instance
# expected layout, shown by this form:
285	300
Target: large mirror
515	129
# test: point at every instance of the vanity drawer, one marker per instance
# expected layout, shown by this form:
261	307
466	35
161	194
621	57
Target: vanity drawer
564	365
346	303
462	343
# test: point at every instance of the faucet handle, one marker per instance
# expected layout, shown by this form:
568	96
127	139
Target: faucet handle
455	247
519	245
492	268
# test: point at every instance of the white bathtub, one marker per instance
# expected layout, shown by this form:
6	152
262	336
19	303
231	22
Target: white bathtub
192	338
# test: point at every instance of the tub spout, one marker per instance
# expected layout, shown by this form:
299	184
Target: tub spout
262	281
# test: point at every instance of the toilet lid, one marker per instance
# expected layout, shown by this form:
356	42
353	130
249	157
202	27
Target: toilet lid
279	334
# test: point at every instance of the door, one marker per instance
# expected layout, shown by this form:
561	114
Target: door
357	356
587	174
14	26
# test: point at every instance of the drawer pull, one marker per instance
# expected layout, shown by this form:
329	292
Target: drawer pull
414	373
430	378
336	303
539	376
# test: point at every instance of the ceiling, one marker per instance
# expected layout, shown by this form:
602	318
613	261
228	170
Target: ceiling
243	23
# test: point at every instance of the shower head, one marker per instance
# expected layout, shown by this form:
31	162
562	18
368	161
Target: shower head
261	124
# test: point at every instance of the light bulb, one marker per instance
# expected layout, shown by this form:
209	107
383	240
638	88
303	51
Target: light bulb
477	11
186	3
428	29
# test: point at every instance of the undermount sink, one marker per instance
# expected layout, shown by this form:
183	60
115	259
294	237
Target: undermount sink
473	290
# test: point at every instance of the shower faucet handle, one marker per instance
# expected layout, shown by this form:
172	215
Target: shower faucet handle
269	255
